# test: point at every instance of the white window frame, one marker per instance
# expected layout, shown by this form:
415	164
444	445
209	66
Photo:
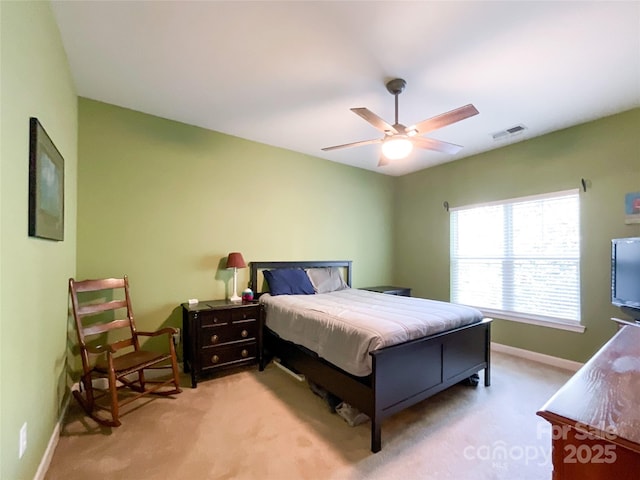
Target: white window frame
531	318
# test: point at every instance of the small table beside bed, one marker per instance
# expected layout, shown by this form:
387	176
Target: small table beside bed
379	353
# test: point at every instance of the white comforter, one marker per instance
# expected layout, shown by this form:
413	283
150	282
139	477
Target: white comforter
344	326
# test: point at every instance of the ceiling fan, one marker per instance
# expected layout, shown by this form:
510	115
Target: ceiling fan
398	140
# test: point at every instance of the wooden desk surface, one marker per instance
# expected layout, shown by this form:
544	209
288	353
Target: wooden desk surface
603	397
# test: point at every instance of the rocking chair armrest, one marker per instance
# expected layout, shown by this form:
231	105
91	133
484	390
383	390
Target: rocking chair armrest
163	331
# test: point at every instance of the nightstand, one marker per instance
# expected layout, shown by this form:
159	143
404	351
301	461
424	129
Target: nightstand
219	334
390	290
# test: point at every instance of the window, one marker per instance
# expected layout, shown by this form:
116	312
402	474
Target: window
519	259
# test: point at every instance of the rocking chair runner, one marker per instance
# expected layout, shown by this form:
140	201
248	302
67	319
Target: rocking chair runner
120	369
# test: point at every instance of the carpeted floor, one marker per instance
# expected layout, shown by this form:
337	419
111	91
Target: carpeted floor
266	425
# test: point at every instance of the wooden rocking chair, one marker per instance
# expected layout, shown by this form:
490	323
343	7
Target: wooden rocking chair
104	338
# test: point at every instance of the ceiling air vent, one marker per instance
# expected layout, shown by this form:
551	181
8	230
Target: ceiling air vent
509	132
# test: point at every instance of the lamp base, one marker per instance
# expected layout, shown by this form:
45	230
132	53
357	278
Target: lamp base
235	297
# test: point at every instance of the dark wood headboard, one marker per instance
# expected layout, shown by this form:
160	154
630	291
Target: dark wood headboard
257	267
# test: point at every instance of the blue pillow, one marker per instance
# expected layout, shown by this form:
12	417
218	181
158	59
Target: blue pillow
288	281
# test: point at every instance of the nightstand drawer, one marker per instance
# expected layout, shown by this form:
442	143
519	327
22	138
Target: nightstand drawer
214	317
246	313
236	332
212	357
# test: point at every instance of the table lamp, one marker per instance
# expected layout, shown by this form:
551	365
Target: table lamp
235	261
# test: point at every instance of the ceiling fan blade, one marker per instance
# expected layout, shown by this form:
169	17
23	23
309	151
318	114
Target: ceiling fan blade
354	144
374	120
445	119
383	161
437	145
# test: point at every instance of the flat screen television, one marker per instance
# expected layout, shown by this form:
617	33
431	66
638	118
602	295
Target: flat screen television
625	275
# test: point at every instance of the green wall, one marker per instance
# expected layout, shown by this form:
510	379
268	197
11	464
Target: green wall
605	152
35	81
165	202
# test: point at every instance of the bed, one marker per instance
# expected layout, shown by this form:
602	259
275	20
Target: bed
393	376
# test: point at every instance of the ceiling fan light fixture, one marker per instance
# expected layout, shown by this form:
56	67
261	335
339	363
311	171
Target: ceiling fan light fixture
397	147
398	141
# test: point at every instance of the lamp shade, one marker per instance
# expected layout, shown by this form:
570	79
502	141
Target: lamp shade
235	260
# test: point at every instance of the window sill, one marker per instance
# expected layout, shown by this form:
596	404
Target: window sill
541	322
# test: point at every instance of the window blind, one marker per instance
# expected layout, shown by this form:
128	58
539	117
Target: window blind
519	258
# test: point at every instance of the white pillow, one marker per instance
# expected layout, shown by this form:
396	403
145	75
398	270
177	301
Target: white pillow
326	279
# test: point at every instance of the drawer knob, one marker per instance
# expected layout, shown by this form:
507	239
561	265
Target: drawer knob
214	338
215	359
215	319
244	353
244	334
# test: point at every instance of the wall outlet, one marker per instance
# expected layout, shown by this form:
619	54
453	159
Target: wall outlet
23	440
176	338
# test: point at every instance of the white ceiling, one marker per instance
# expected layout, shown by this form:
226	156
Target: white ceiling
287	73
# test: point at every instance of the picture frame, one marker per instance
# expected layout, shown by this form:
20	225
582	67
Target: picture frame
46	185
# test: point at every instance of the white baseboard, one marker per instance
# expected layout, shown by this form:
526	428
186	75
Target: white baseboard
537	357
53	443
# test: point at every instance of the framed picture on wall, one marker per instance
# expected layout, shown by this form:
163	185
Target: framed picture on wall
46	185
632	208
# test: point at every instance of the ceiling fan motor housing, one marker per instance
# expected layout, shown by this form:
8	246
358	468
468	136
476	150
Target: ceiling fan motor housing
396	86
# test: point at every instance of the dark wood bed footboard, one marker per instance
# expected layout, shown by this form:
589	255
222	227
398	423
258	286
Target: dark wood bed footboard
406	374
402	376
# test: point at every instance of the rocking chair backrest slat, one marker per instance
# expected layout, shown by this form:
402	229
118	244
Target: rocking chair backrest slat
105	327
122	344
101	284
93	308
